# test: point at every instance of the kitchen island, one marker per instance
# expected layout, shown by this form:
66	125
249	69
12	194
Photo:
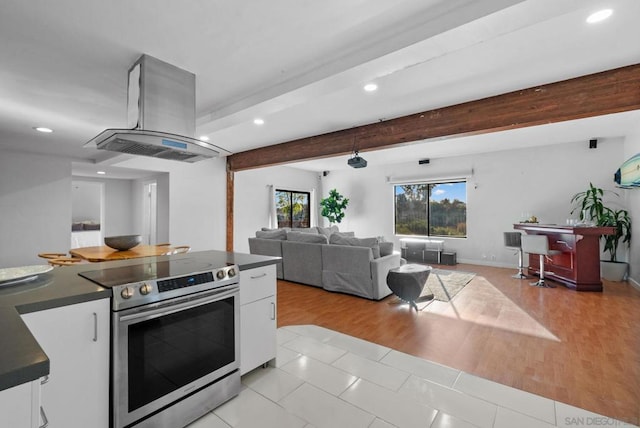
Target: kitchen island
578	264
24	358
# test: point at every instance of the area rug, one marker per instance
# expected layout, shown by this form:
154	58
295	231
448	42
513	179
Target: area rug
443	285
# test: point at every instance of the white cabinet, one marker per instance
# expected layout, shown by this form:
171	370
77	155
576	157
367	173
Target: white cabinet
20	406
257	317
76	340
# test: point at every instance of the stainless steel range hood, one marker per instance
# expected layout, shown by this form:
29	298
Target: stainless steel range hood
161	116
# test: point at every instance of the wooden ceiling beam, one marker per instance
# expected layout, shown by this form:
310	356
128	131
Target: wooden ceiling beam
611	91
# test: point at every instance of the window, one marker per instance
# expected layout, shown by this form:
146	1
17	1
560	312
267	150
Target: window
293	208
431	209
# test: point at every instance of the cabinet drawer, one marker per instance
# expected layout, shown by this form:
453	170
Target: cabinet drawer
258	283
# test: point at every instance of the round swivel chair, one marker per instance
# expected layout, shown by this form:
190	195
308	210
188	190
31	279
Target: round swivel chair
407	282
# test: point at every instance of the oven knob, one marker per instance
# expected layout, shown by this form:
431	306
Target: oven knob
232	273
127	293
145	289
220	274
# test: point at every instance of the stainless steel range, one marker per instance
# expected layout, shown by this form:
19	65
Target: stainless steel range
175	340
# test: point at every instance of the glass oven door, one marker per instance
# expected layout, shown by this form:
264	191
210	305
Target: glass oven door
166	351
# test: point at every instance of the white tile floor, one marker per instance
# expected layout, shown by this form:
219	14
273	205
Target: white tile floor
327	379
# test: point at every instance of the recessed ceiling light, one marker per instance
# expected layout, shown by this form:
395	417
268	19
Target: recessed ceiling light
258	121
101	173
598	16
42	129
204	138
370	87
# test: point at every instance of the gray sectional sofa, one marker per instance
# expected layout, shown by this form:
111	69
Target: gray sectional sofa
324	257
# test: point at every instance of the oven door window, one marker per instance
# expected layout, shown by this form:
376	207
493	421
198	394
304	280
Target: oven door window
169	352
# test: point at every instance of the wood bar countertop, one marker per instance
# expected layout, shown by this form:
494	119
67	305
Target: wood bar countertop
557	228
104	253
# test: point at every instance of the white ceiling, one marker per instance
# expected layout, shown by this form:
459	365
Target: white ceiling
300	65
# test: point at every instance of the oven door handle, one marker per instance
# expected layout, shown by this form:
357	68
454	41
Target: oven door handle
163	308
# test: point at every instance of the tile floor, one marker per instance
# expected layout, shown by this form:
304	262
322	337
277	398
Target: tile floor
324	378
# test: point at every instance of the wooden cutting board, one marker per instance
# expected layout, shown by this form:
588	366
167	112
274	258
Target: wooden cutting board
104	253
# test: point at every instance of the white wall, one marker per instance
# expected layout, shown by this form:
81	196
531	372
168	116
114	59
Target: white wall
252	197
632	196
118	209
86	199
163	205
118	206
35	207
505	184
36	201
197	200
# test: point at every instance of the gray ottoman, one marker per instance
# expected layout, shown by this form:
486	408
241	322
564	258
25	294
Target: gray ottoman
407	282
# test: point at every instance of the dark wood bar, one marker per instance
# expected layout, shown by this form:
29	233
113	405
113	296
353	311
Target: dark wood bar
578	265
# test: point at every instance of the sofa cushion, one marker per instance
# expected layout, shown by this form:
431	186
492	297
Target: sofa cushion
313	230
266	229
280	234
357	242
342	234
311	238
386	248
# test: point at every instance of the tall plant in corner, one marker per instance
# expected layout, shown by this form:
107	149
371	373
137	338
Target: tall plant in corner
333	207
590	204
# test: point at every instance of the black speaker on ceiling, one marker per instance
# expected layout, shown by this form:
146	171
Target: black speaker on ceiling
423	161
593	143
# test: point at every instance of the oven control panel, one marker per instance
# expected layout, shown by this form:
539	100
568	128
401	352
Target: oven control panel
150	291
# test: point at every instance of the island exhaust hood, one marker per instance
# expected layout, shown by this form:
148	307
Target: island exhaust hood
161	112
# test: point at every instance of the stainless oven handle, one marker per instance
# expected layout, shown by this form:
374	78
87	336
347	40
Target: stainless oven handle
161	309
95	326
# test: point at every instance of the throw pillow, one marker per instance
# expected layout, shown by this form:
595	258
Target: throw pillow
311	238
328	231
280	234
386	248
343	234
357	242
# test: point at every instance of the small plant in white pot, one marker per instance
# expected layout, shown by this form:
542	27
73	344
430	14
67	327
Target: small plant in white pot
590	204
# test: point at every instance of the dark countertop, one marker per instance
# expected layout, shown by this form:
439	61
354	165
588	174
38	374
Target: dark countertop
21	357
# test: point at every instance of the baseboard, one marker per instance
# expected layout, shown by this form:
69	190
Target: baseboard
634	283
488	263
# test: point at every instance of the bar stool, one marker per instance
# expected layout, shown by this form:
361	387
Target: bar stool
513	240
539	244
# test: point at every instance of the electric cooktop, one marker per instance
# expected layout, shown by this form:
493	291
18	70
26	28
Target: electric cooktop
112	277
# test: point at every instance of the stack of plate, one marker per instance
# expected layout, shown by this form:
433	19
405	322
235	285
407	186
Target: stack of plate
17	275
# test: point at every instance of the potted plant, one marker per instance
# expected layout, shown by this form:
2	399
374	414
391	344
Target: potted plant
591	205
333	207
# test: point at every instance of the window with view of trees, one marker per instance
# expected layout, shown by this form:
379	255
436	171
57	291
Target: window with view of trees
293	208
431	209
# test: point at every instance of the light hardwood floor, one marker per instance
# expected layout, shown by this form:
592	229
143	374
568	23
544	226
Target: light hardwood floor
580	348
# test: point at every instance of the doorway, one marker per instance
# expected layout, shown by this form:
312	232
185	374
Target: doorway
150	212
87	213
